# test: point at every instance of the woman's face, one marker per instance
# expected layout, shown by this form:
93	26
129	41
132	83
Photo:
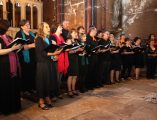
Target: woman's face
74	35
152	37
138	42
83	38
122	37
46	29
151	43
106	35
81	31
100	35
26	27
128	42
59	29
93	32
111	37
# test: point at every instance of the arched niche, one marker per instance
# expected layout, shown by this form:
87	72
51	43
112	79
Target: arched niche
35	17
9	7
1	10
28	13
17	14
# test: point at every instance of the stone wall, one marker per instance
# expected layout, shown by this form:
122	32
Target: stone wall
48	11
139	17
74	12
146	21
136	17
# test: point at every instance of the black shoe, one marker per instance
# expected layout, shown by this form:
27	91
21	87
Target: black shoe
49	105
70	94
60	97
75	93
45	107
82	91
90	88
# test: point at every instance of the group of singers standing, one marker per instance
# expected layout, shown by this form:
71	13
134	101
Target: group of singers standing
102	60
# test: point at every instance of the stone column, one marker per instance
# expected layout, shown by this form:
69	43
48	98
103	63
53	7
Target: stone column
40	13
4	9
23	10
13	2
58	10
31	6
104	14
88	12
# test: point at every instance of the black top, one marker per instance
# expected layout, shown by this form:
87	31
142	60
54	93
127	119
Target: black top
105	56
127	58
9	87
3	58
30	39
90	43
53	38
41	54
65	33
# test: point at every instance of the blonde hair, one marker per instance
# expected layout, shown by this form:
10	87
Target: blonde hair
40	31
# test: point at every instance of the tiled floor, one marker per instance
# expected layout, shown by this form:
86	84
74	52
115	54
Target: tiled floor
123	101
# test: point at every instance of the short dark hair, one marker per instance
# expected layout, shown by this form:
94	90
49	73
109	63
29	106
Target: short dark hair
71	31
23	22
150	36
80	27
136	38
4	26
127	39
122	35
54	27
91	28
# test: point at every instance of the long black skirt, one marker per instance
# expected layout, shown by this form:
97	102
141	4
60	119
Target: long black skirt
44	79
9	91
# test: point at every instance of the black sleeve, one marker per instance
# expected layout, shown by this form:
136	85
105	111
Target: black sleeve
39	46
52	38
18	34
121	50
0	40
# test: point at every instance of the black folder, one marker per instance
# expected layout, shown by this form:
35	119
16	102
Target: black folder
138	49
53	48
17	41
97	48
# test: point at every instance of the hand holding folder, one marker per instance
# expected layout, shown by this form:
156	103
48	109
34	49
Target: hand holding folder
17	41
52	48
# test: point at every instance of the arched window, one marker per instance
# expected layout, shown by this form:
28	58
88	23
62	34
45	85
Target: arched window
1	9
28	13
10	12
35	17
17	14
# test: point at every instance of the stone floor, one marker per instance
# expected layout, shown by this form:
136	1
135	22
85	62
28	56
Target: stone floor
123	101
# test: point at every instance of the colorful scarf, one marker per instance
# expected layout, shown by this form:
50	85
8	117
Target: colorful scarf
63	60
48	42
13	59
26	52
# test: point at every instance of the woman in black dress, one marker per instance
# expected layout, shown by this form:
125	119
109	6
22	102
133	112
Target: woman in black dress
105	60
83	65
151	60
27	57
9	75
44	75
127	59
138	57
73	64
91	41
115	61
62	62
